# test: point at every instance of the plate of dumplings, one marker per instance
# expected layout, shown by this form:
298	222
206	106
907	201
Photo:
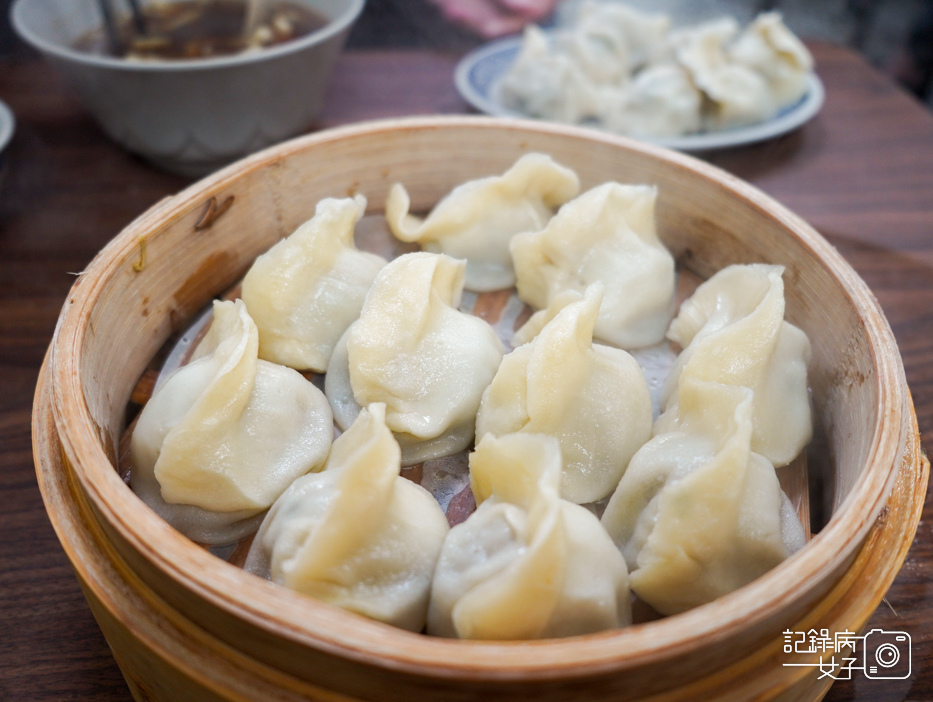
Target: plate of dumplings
707	86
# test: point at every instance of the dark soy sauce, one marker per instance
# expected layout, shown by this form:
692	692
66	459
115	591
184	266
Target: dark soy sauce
204	28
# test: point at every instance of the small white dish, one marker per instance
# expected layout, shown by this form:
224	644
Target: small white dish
7	127
478	75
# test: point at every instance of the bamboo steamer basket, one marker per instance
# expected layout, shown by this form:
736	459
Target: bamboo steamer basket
185	625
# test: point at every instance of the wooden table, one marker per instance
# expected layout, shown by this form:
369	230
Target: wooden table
861	173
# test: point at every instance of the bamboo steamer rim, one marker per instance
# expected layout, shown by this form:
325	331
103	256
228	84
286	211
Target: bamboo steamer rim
313	624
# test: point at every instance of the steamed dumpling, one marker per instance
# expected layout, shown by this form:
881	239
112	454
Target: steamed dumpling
660	101
605	235
357	535
307	289
610	40
698	514
547	84
526	564
592	398
738	93
771	49
733	331
739	96
477	219
225	435
414	351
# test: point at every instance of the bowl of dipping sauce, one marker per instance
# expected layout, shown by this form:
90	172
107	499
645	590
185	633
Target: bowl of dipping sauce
200	83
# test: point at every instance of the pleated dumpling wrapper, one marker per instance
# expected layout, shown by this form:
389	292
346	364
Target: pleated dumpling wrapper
226	434
414	351
659	101
697	513
526	564
610	41
732	331
605	235
548	84
737	93
306	290
356	535
769	47
477	219
593	398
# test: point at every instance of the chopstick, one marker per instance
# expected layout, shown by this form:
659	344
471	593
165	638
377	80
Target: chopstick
110	27
139	20
110	24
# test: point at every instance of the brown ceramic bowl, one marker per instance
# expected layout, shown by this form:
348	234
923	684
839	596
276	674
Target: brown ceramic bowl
184	624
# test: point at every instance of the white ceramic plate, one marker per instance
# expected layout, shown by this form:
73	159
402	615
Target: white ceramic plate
479	72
